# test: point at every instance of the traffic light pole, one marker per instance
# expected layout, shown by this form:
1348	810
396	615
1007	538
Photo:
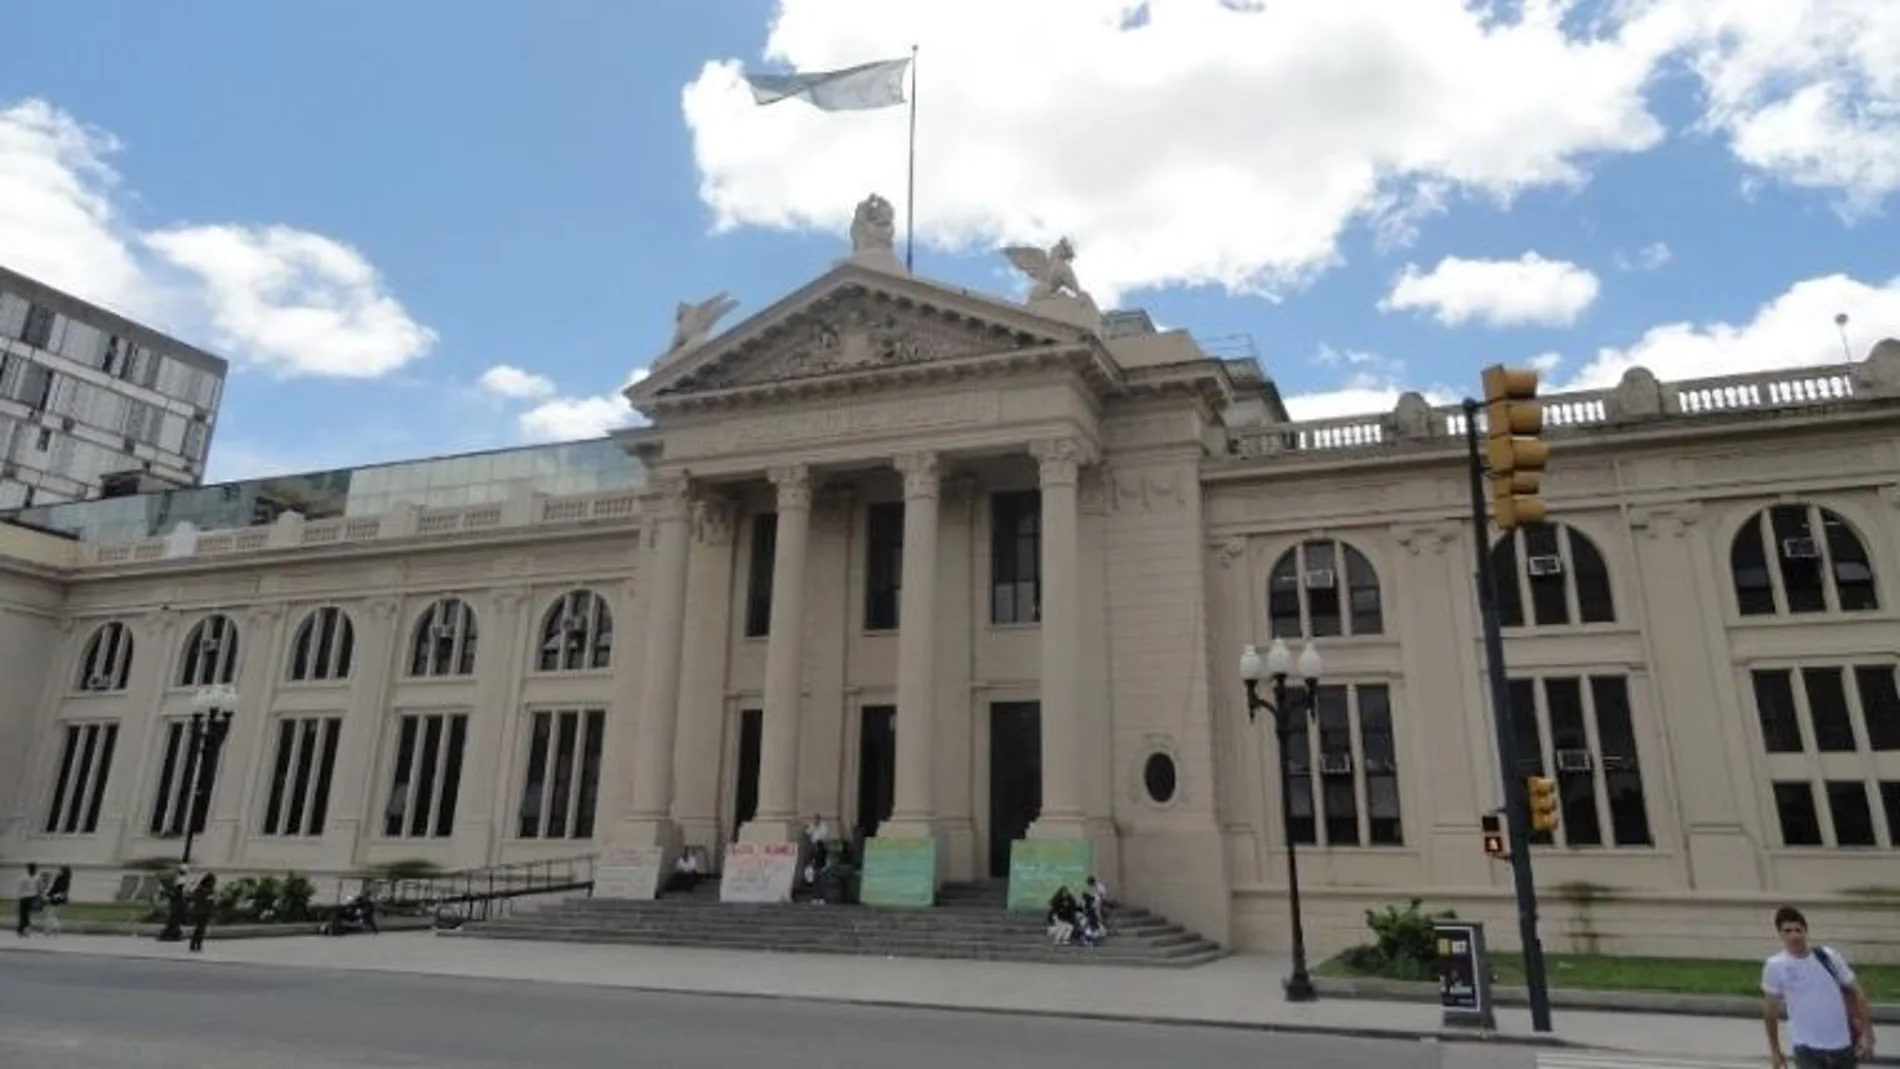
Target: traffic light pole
1516	801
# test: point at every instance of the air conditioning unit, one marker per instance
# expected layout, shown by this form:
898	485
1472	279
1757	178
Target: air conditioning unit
208	648
1574	761
1800	549
1546	565
442	632
1335	764
1319	579
98	681
574	624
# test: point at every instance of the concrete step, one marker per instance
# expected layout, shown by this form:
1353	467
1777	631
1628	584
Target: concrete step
1109	953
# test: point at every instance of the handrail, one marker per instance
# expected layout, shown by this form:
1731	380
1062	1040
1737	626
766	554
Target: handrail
479	890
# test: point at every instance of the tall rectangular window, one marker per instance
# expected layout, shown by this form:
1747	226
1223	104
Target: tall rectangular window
883	564
1016	557
427	778
1591	735
85	762
1825	709
300	775
561	786
758	591
177	773
1354	757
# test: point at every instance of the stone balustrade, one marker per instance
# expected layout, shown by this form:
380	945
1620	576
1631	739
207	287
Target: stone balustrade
292	531
1639	397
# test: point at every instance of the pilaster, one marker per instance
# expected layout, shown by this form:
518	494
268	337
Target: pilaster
914	813
650	810
1059	464
382	643
486	783
697	787
239	765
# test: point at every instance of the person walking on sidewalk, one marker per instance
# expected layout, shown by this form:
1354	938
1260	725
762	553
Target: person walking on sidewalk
27	897
1829	1024
204	898
56	896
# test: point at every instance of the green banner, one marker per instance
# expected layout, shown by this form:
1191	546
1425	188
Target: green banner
899	872
1038	866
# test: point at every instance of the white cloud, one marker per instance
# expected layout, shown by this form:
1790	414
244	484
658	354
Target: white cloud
1795	329
1373	387
562	419
290	300
505	380
1650	257
296	302
1805	91
1527	291
1209	145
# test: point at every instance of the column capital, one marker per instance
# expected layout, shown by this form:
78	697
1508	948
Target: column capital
1061	460
669	495
921	474
793	482
713	520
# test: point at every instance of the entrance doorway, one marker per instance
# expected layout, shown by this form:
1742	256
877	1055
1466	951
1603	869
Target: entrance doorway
877	768
1015	776
745	787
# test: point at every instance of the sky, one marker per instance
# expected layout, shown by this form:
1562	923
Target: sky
438	226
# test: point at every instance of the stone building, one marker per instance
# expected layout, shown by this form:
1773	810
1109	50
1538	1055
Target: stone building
930	562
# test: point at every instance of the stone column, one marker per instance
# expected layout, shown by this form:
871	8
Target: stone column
652	789
777	820
1060	461
913	814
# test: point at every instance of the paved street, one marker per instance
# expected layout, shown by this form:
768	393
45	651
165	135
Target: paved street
76	1012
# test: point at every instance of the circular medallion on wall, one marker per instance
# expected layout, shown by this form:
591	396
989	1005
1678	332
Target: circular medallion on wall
1159	778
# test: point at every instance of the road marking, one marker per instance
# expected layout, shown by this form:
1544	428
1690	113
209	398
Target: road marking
1611	1060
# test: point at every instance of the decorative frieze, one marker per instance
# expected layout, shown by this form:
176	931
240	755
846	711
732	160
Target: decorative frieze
1427	540
1666	521
1149	488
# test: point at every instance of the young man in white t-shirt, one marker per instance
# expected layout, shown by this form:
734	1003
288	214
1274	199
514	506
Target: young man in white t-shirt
1828	1022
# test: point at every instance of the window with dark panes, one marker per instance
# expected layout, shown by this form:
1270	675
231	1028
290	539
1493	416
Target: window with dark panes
426	783
1555	569
1339	787
883	564
1322	595
1890	803
1379	753
85	762
1545	571
1775	708
1748	567
1879	705
1016	557
1297	765
1323	588
1799	557
1622	774
1794	806
758	595
1852	817
1827	710
1576	767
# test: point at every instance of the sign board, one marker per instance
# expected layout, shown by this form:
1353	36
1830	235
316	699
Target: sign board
629	873
899	872
759	872
1464	975
1038	866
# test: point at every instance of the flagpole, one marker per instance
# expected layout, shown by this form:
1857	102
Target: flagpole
910	190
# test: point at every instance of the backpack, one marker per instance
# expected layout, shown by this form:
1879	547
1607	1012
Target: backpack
1856	1025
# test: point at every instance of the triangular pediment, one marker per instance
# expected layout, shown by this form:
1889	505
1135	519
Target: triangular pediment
851	321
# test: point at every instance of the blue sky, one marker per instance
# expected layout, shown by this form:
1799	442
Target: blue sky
370	206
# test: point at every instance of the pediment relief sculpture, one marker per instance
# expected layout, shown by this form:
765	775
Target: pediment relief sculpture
855	330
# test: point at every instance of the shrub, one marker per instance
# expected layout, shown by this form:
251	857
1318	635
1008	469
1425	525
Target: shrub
293	899
1404	946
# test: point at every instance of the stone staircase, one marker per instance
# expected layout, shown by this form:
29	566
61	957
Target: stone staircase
970	922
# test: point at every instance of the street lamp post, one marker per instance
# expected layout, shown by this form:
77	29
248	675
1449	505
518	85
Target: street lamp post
1274	669
211	711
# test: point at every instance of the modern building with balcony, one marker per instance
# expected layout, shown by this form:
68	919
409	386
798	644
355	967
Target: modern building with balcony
93	404
940	565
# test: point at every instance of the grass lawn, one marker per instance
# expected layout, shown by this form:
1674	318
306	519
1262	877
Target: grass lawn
1688	976
92	911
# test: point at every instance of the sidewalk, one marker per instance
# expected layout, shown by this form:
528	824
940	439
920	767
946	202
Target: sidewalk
1240	991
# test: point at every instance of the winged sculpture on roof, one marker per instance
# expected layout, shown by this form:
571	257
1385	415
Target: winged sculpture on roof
1051	270
692	323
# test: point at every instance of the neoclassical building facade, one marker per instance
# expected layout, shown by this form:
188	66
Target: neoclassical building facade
936	564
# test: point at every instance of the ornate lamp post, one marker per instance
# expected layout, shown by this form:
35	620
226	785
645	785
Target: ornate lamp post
211	711
1274	669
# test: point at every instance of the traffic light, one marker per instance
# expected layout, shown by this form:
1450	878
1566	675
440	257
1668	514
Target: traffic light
1493	836
1514	447
1543	797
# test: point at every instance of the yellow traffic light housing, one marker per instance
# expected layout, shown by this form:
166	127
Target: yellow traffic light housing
1493	836
1543	803
1515	452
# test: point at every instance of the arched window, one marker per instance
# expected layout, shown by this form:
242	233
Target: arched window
1558	571
106	663
577	633
210	654
1790	559
445	640
1322	588
323	647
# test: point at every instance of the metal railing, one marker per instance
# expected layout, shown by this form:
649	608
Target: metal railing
478	894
